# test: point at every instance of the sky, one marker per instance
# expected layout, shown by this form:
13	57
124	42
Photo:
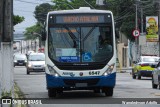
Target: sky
26	9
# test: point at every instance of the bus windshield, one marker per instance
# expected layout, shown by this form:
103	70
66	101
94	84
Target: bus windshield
70	44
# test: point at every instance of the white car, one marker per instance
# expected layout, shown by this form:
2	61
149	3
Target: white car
36	63
156	76
19	59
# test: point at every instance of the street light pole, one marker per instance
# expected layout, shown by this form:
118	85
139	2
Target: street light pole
136	23
21	46
6	52
159	23
39	36
142	21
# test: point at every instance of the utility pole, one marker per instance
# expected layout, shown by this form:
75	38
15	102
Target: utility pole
1	32
158	12
6	52
141	21
136	27
159	23
21	46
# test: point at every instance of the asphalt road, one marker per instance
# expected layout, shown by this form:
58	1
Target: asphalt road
34	86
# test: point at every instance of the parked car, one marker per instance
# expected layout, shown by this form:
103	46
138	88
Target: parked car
142	68
19	60
36	63
156	76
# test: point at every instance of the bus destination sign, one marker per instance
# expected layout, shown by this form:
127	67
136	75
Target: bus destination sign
73	19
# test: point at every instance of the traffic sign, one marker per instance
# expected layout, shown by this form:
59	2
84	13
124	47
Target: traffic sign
135	33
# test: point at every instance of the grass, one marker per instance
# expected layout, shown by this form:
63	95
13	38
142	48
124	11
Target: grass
18	94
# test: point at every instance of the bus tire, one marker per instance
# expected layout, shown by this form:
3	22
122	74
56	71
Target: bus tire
108	91
52	93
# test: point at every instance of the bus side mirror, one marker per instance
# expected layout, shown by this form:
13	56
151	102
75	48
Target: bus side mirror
43	33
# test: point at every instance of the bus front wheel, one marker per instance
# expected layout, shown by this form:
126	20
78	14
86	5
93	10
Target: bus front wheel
52	92
108	91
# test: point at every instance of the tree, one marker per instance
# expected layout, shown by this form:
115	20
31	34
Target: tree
40	14
30	30
124	13
17	19
41	11
123	10
66	4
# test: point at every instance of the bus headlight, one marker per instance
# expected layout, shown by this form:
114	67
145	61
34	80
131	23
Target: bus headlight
109	70
52	71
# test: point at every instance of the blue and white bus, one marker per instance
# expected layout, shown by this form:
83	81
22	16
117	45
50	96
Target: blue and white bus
80	51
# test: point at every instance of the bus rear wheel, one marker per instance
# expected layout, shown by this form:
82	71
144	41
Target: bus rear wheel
108	91
52	93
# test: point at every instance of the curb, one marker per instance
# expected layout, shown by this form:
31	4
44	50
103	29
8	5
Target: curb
18	94
124	70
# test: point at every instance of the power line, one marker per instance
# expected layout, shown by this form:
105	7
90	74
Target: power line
88	4
27	2
23	10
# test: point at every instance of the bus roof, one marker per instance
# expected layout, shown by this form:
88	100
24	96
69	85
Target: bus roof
80	10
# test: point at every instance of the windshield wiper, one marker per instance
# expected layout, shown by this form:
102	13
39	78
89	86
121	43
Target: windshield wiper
73	37
70	33
88	34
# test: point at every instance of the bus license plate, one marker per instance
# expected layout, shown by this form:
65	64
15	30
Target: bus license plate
81	84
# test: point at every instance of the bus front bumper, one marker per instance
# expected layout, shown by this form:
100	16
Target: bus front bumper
81	82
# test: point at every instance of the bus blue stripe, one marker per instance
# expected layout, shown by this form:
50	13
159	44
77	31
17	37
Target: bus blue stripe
104	81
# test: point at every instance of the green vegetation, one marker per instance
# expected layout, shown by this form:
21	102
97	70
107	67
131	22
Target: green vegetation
6	94
17	19
30	30
123	10
40	14
17	94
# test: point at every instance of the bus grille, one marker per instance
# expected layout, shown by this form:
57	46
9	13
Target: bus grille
95	67
72	82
